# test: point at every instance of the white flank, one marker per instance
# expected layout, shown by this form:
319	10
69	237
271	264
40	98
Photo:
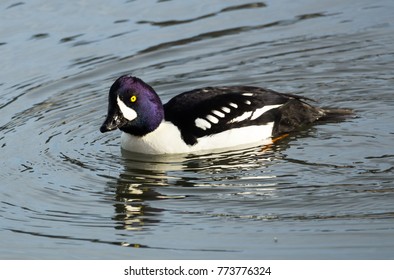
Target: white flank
166	139
257	113
127	112
203	124
212	119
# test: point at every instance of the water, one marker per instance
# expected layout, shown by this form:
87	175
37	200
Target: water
68	192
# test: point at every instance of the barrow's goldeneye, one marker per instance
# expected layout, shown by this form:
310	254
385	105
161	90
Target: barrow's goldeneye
204	119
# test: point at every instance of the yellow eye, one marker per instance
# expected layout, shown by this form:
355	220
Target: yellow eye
133	98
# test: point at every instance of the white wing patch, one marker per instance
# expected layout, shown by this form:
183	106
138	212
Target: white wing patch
218	113
214	117
226	109
127	112
254	114
242	117
203	124
257	113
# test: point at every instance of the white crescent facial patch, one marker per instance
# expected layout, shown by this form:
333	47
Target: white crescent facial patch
127	112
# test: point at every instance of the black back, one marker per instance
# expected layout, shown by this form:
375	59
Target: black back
185	108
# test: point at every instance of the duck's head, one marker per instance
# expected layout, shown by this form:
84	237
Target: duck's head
133	107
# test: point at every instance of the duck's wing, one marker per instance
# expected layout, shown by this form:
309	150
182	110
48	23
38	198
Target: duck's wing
212	110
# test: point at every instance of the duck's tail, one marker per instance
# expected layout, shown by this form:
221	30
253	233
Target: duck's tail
295	114
336	115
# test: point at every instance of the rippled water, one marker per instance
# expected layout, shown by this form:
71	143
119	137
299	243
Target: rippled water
68	192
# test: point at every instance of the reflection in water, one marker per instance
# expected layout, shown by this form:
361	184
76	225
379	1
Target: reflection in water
149	178
132	208
191	170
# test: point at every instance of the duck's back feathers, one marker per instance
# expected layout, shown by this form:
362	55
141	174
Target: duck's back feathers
208	111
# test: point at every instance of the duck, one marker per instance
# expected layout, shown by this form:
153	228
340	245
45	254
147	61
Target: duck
205	119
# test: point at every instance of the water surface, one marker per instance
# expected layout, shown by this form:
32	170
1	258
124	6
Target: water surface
68	192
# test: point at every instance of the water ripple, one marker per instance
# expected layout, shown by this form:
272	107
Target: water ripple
65	185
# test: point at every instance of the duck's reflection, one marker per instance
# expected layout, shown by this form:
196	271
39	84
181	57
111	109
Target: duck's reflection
132	209
146	179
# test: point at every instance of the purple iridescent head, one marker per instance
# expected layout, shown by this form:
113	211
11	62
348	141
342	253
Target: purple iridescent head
133	107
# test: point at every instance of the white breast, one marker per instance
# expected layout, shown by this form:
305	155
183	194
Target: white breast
166	139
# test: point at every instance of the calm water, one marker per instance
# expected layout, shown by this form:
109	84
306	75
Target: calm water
68	192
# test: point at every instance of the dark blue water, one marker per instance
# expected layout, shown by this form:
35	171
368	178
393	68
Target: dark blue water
68	192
